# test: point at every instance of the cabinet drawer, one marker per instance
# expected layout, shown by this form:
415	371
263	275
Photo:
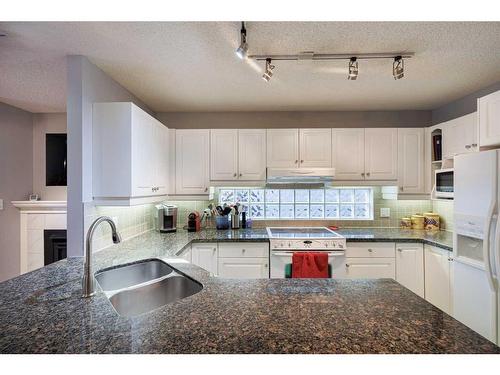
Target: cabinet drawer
243	250
370	268
244	268
370	250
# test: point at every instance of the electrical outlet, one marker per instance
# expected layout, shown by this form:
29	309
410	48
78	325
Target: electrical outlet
385	212
1	204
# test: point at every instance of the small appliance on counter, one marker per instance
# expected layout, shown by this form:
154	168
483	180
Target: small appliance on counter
194	222
166	218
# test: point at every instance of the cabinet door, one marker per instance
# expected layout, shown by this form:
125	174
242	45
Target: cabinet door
244	268
410	267
223	154
370	268
437	277
191	161
469	130
204	255
282	148
315	148
411	160
161	141
252	154
144	151
489	119
348	154
381	154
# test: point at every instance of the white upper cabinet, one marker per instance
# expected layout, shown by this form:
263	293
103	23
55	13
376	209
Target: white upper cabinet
192	161
411	159
348	154
237	154
282	148
460	135
130	154
381	154
252	154
489	119
315	148
223	154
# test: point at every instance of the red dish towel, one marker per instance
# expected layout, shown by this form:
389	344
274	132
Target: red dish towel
309	265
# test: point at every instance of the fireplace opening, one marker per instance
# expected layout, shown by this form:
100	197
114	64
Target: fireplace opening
54	245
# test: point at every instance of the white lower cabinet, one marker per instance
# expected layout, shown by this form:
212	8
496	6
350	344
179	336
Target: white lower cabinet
244	268
204	255
235	260
438	277
410	267
370	268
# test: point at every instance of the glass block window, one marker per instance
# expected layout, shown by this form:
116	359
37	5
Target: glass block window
354	203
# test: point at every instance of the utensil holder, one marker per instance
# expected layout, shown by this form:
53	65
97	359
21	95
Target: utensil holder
222	222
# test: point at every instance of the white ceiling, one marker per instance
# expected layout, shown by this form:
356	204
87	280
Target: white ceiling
191	66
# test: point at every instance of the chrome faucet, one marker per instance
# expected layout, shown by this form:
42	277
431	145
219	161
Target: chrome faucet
88	278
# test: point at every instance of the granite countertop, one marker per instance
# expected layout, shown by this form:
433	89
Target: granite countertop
42	312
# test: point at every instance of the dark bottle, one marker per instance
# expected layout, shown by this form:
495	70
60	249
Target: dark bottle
243	220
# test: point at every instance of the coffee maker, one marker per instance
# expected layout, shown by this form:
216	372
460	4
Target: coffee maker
166	218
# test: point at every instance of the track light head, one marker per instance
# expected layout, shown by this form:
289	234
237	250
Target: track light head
269	70
398	67
353	69
242	50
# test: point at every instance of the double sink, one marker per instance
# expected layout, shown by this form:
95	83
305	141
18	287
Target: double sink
137	288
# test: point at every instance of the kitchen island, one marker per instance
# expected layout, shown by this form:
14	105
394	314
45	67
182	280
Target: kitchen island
42	312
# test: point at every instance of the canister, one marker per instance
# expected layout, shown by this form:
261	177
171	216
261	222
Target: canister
431	221
417	221
405	222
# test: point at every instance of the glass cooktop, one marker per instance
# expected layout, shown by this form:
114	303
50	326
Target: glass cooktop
302	232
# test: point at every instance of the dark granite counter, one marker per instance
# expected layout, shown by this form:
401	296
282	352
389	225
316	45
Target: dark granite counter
42	312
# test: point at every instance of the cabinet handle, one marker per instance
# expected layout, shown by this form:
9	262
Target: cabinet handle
301	161
368	174
363	174
265	265
400	250
370	250
234	175
402	188
241	174
296	161
474	145
243	250
347	265
468	146
450	259
206	189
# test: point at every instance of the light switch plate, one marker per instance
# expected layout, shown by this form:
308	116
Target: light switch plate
1	204
385	212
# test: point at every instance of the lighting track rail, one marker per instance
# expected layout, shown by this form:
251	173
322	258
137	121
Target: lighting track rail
334	56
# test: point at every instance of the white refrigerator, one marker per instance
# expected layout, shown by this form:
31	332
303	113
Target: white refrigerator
476	243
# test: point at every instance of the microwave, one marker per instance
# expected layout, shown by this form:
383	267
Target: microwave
444	183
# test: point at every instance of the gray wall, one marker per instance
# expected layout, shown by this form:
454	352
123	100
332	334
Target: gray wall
86	84
462	106
348	119
16	182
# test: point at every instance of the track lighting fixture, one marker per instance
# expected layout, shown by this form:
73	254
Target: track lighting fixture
242	50
353	69
269	70
398	67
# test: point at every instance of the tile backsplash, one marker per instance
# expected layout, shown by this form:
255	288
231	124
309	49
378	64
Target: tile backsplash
445	209
398	209
130	222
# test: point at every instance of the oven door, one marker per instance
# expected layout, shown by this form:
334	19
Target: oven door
280	258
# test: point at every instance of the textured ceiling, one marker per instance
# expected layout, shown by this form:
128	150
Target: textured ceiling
191	66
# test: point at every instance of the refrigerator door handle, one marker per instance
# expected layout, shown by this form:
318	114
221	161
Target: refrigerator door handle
486	249
495	254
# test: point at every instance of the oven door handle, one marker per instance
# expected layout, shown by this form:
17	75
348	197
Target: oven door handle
288	253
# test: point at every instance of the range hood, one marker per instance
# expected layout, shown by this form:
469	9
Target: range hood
305	177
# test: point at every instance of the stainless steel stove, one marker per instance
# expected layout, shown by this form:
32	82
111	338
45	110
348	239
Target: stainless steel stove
305	238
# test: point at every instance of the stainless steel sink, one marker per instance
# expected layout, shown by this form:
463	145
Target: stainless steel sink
138	288
137	301
132	274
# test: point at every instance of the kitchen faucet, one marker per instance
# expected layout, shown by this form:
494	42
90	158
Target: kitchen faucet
88	278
